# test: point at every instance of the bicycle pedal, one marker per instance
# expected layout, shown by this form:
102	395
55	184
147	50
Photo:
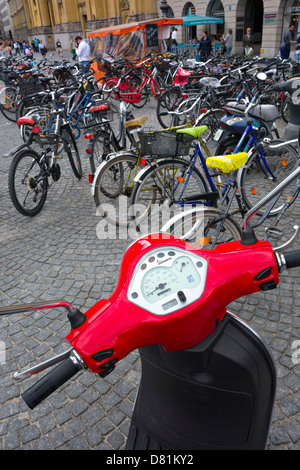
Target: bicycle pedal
274	233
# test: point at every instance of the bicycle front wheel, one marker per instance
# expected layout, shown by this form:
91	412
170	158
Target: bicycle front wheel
262	174
115	179
9	102
203	227
102	146
27	183
163	185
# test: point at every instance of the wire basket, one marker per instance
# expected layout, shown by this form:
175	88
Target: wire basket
30	87
164	144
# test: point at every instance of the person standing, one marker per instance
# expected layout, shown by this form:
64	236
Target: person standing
287	42
83	54
59	48
27	51
248	42
72	47
174	37
43	49
228	43
205	46
17	48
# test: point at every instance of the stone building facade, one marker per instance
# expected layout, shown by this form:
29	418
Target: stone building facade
50	20
268	20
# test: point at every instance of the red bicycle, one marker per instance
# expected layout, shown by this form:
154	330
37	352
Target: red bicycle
135	87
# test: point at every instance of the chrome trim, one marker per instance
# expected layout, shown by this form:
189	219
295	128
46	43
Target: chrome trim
18	376
36	306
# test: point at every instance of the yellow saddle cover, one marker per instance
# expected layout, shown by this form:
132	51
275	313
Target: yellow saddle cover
228	163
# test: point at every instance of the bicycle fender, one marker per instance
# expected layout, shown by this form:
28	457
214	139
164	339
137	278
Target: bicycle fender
14	150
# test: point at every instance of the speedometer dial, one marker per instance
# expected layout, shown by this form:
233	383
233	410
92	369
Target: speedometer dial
158	283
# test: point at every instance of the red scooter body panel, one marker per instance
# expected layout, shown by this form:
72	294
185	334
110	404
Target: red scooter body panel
119	325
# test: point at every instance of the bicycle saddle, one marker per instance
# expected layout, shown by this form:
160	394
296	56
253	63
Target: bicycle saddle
134	123
193	131
228	163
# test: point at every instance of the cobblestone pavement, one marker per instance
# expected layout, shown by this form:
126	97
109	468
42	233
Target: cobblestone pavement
57	255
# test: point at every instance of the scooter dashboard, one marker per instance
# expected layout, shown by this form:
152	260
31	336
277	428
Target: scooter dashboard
167	279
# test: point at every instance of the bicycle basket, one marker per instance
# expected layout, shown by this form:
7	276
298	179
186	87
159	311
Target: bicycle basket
29	87
164	144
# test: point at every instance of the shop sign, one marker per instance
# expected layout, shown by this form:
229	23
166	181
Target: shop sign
293	10
270	18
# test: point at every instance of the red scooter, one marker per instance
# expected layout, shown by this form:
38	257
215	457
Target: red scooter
208	380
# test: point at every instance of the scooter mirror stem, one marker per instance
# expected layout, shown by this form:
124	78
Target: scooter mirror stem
248	237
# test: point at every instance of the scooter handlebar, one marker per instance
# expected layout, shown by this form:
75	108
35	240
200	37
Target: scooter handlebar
292	259
51	382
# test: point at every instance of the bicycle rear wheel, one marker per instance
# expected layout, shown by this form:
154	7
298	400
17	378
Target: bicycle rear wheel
27	183
203	227
115	178
168	101
9	102
164	185
211	119
256	181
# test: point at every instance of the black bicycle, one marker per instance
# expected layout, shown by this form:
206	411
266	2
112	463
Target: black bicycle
31	173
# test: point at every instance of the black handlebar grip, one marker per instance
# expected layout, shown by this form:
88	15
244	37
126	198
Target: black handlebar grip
292	259
51	382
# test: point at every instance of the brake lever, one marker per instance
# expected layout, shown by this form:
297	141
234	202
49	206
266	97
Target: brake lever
18	376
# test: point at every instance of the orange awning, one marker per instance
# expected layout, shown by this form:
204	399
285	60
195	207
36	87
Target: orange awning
130	27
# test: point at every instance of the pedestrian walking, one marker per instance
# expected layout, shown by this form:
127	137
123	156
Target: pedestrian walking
287	42
73	47
228	43
42	49
83	54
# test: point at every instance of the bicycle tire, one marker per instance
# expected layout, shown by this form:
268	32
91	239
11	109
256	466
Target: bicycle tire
32	184
285	108
188	111
102	146
157	90
70	147
201	227
157	186
135	83
115	179
254	181
168	101
211	119
9	102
